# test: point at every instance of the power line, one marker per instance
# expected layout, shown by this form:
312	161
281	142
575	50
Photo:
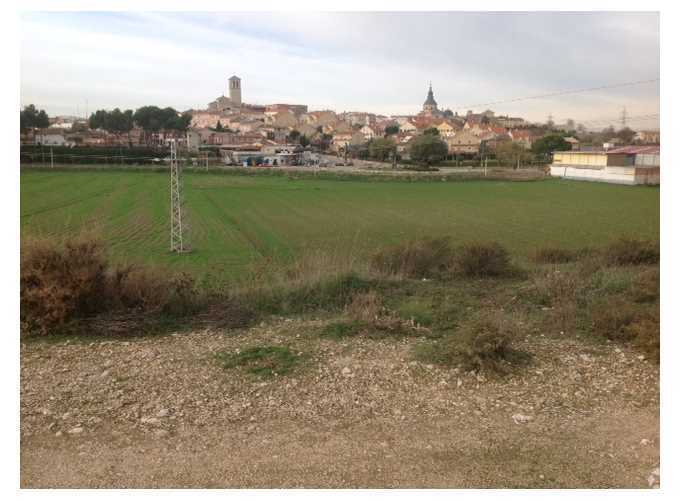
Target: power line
652	116
559	93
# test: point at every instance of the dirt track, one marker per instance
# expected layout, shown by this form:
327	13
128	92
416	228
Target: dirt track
360	413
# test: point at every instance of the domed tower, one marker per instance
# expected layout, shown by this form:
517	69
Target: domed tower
430	105
235	90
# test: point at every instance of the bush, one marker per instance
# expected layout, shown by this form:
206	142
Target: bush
616	318
424	258
62	283
632	252
58	284
482	260
553	255
482	343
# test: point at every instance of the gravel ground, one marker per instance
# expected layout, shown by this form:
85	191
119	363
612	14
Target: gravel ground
161	412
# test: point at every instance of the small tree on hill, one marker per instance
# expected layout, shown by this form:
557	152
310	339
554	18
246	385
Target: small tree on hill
546	145
428	149
391	130
31	118
380	149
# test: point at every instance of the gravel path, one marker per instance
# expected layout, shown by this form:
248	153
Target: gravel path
161	412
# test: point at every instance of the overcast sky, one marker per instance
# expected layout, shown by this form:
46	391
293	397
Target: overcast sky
379	62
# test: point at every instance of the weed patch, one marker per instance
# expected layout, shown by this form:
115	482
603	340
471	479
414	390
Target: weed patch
482	343
265	361
632	252
482	260
553	255
424	258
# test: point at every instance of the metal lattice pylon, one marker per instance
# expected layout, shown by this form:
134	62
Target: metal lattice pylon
179	228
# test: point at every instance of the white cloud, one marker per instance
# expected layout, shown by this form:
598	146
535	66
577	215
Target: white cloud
373	61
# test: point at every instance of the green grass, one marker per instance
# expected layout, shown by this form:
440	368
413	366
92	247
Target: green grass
238	220
265	361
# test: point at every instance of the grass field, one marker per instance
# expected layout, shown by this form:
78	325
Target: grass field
237	220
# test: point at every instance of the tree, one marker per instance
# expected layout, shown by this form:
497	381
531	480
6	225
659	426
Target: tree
98	119
509	152
380	148
549	143
391	130
304	141
626	135
219	127
428	148
294	136
431	131
31	118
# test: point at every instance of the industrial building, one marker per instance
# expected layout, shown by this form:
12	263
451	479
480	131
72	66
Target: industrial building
625	165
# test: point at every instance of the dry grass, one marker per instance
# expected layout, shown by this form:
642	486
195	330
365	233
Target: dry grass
553	255
424	258
632	252
479	260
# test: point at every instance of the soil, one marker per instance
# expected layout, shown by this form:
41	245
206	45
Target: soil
357	413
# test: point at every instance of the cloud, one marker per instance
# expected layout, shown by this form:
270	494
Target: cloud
378	62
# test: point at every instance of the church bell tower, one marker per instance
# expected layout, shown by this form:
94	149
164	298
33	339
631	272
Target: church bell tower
235	90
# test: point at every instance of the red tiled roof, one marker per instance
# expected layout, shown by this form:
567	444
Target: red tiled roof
633	150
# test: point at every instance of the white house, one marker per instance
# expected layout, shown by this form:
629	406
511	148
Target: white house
50	137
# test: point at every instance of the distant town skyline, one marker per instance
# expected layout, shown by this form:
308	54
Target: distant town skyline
375	62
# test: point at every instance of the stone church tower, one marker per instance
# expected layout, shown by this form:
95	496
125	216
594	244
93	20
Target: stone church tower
430	105
235	90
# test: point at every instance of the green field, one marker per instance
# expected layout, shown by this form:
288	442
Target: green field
236	220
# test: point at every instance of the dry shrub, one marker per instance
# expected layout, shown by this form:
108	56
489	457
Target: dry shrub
645	333
59	283
611	316
63	283
559	292
646	287
618	319
481	343
553	255
424	258
366	306
482	260
632	252
367	309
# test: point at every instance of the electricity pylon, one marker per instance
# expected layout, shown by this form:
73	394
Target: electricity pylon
179	229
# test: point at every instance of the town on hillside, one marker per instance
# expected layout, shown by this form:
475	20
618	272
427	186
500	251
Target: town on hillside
233	132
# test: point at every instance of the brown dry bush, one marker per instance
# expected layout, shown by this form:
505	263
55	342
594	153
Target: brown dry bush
63	283
482	343
367	309
59	283
631	252
646	287
617	318
553	255
423	258
482	260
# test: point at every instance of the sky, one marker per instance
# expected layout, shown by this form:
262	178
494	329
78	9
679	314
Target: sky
77	62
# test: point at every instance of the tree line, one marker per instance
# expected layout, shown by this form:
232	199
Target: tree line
149	118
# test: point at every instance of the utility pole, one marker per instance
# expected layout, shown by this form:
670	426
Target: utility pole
51	157
178	225
624	117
